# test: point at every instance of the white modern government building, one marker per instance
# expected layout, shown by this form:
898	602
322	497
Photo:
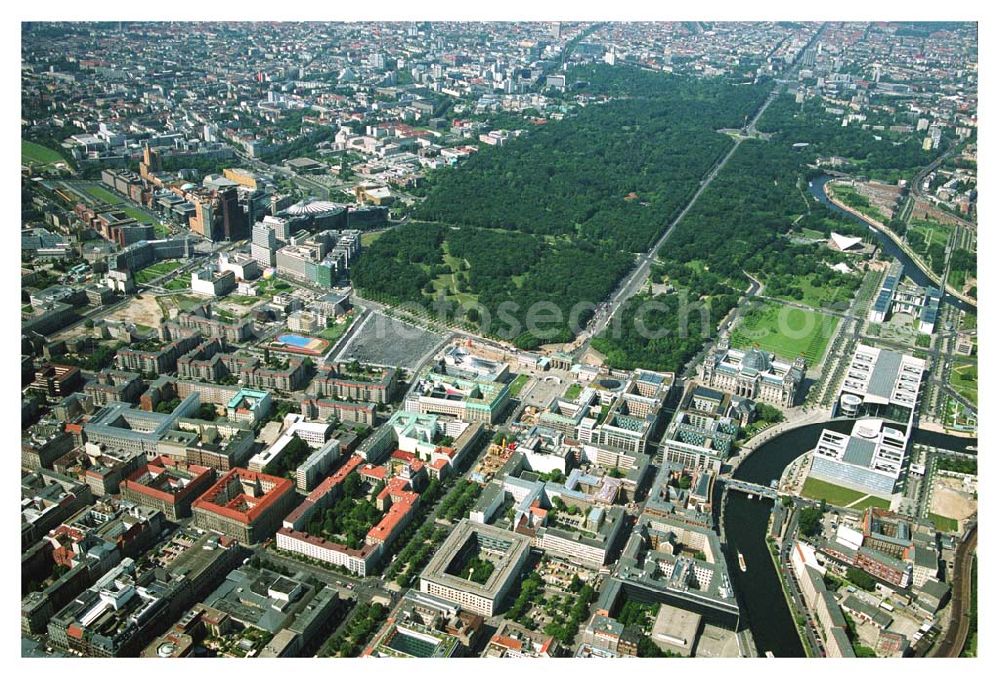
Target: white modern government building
880	386
869	459
881	383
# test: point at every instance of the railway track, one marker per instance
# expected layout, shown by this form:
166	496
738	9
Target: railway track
953	639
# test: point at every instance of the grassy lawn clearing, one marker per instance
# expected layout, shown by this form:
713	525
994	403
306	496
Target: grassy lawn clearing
138	214
517	384
786	331
371	236
834	494
943	523
150	273
965	381
35	154
871	502
100	193
337	330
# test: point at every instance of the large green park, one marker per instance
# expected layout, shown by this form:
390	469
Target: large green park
558	214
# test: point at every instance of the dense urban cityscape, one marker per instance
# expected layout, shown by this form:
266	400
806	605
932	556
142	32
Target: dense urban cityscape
540	339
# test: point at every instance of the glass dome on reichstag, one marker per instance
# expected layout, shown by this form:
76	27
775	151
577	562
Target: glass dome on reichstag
756	359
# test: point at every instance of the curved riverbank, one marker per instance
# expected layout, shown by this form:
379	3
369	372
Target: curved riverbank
746	522
888	232
912	267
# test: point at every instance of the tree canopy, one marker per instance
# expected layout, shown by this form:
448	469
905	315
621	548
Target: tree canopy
557	214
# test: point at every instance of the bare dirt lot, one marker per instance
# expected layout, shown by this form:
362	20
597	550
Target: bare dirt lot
924	209
144	311
882	196
951	499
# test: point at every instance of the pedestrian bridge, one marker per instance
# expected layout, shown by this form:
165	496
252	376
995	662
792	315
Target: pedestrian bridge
751	488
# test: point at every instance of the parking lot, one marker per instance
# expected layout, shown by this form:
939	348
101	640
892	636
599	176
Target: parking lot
388	341
542	389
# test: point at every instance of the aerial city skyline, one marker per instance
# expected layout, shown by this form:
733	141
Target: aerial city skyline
504	339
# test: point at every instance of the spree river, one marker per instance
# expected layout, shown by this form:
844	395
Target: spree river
762	601
910	269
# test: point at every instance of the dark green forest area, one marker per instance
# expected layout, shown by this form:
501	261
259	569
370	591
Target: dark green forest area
558	214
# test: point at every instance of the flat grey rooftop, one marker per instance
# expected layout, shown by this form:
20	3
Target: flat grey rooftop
884	374
859	452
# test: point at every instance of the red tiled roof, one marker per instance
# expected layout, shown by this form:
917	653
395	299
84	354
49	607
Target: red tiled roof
254	506
401	455
398	484
323	543
377	472
333	480
388	524
324	487
159	465
507	641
